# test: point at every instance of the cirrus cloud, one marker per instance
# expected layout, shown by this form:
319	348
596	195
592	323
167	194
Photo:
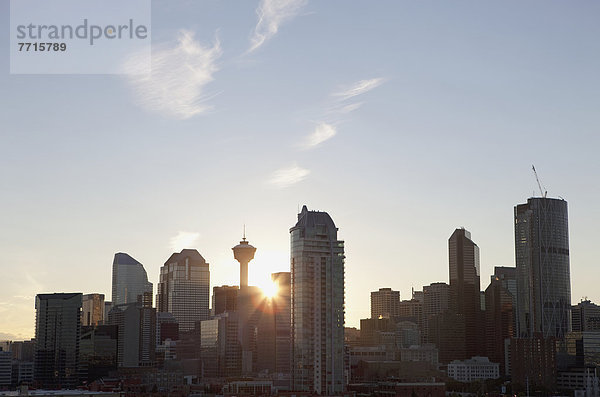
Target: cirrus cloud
271	15
175	87
322	133
358	88
288	176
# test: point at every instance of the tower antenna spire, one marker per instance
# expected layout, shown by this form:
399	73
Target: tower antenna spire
244	232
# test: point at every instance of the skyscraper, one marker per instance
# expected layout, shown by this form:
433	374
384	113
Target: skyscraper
317	282
129	280
57	333
543	268
184	288
385	303
465	297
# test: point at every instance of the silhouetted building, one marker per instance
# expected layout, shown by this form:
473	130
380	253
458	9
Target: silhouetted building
5	368
184	288
93	309
282	302
385	303
447	332
129	280
436	300
317	264
500	303
57	332
586	317
166	327
224	299
465	289
543	269
98	351
412	310
533	361
374	330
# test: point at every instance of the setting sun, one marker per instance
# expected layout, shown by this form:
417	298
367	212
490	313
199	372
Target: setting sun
269	289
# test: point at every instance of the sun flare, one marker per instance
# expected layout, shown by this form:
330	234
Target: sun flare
269	289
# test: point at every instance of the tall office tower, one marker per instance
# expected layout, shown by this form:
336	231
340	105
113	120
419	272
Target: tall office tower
317	282
281	311
184	288
543	270
385	303
243	253
57	332
129	280
500	301
436	298
586	317
465	296
93	309
224	299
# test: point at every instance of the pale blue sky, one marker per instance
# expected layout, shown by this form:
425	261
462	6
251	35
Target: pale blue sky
469	95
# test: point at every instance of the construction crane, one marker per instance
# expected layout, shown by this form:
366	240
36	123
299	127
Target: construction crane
543	190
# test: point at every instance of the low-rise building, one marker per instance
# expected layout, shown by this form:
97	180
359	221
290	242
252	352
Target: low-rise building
476	368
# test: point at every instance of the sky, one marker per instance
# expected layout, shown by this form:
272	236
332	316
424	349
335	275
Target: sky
402	119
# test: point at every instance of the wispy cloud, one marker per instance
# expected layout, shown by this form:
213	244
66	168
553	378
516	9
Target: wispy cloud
180	71
286	177
358	88
322	132
271	15
183	240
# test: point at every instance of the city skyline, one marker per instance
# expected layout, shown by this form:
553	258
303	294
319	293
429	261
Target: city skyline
404	121
266	283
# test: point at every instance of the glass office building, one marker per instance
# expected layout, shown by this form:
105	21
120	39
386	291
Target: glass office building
57	333
129	280
543	268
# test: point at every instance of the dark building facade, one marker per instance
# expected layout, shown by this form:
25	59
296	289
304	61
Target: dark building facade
282	315
98	351
57	333
543	268
225	299
464	291
533	362
500	299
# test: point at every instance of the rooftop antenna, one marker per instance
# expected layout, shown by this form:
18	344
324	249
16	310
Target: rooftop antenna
244	232
543	190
